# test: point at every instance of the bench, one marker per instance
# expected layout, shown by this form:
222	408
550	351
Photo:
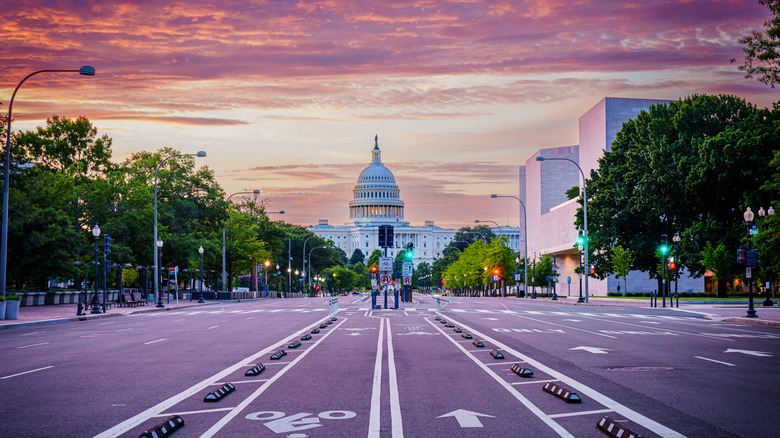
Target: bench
138	299
99	301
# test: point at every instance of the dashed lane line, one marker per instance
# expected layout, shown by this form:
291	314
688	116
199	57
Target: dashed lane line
26	372
157	409
581	388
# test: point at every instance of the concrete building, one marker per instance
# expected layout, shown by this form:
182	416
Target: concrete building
551	215
377	201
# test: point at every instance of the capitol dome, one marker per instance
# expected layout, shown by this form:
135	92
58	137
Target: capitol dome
376	197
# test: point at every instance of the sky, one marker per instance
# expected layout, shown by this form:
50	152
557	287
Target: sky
287	96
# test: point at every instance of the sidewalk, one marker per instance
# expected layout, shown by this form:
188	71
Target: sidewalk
731	312
54	313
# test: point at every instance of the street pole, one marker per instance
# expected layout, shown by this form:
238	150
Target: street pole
84	70
584	211
525	239
224	270
95	307
200	251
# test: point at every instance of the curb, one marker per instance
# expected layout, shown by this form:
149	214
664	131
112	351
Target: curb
745	320
102	315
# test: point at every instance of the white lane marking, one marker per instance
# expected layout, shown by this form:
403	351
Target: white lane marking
582	389
212	327
204	411
534	382
32	345
716	361
250	317
376	388
28	334
566	326
259	391
124	330
155	410
574	414
26	372
241	381
595	317
527	403
152	342
395	403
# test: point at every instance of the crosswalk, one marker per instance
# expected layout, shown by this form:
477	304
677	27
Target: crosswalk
567	314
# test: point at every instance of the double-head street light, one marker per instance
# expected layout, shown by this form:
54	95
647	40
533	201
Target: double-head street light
477	221
224	271
303	256
584	211
312	250
525	239
86	71
157	243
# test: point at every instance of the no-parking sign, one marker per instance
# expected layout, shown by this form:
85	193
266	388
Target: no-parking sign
385	279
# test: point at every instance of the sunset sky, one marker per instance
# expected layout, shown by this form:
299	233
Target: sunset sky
287	96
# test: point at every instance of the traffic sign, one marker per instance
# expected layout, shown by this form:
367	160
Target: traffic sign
407	269
407	280
385	264
385	279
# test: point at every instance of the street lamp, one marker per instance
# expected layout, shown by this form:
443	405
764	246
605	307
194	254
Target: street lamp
476	221
584	211
95	306
200	251
761	213
84	70
289	260
525	239
157	242
224	271
303	255
157	271
676	239
312	250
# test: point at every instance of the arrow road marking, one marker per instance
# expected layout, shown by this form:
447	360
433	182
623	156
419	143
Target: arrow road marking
594	350
416	333
491	319
748	352
466	418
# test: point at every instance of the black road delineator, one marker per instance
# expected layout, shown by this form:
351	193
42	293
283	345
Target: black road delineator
562	393
328	322
520	371
614	430
438	318
257	369
305	337
449	325
315	331
334	319
323	326
466	335
477	343
164	429
458	330
443	321
217	395
496	354
278	355
294	344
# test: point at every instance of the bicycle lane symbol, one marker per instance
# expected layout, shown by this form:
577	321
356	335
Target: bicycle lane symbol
277	422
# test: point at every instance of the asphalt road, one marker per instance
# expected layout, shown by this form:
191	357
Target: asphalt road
658	372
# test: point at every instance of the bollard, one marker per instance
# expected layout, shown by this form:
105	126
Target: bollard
677	299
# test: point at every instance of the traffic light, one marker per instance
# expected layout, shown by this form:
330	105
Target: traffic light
410	251
672	264
753	258
107	242
742	256
382	236
664	248
580	240
389	235
496	271
108	265
374	269
593	269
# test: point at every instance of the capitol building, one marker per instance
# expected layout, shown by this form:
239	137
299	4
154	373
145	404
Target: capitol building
377	201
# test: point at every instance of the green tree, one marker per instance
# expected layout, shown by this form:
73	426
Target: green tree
622	259
718	260
357	257
659	175
762	58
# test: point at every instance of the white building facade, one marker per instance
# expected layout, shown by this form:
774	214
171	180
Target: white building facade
377	201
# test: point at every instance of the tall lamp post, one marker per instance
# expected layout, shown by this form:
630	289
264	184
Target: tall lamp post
289	260
525	239
265	271
312	250
584	211
78	263
95	306
86	71
303	255
224	271
761	213
157	291
158	243
676	239
200	251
